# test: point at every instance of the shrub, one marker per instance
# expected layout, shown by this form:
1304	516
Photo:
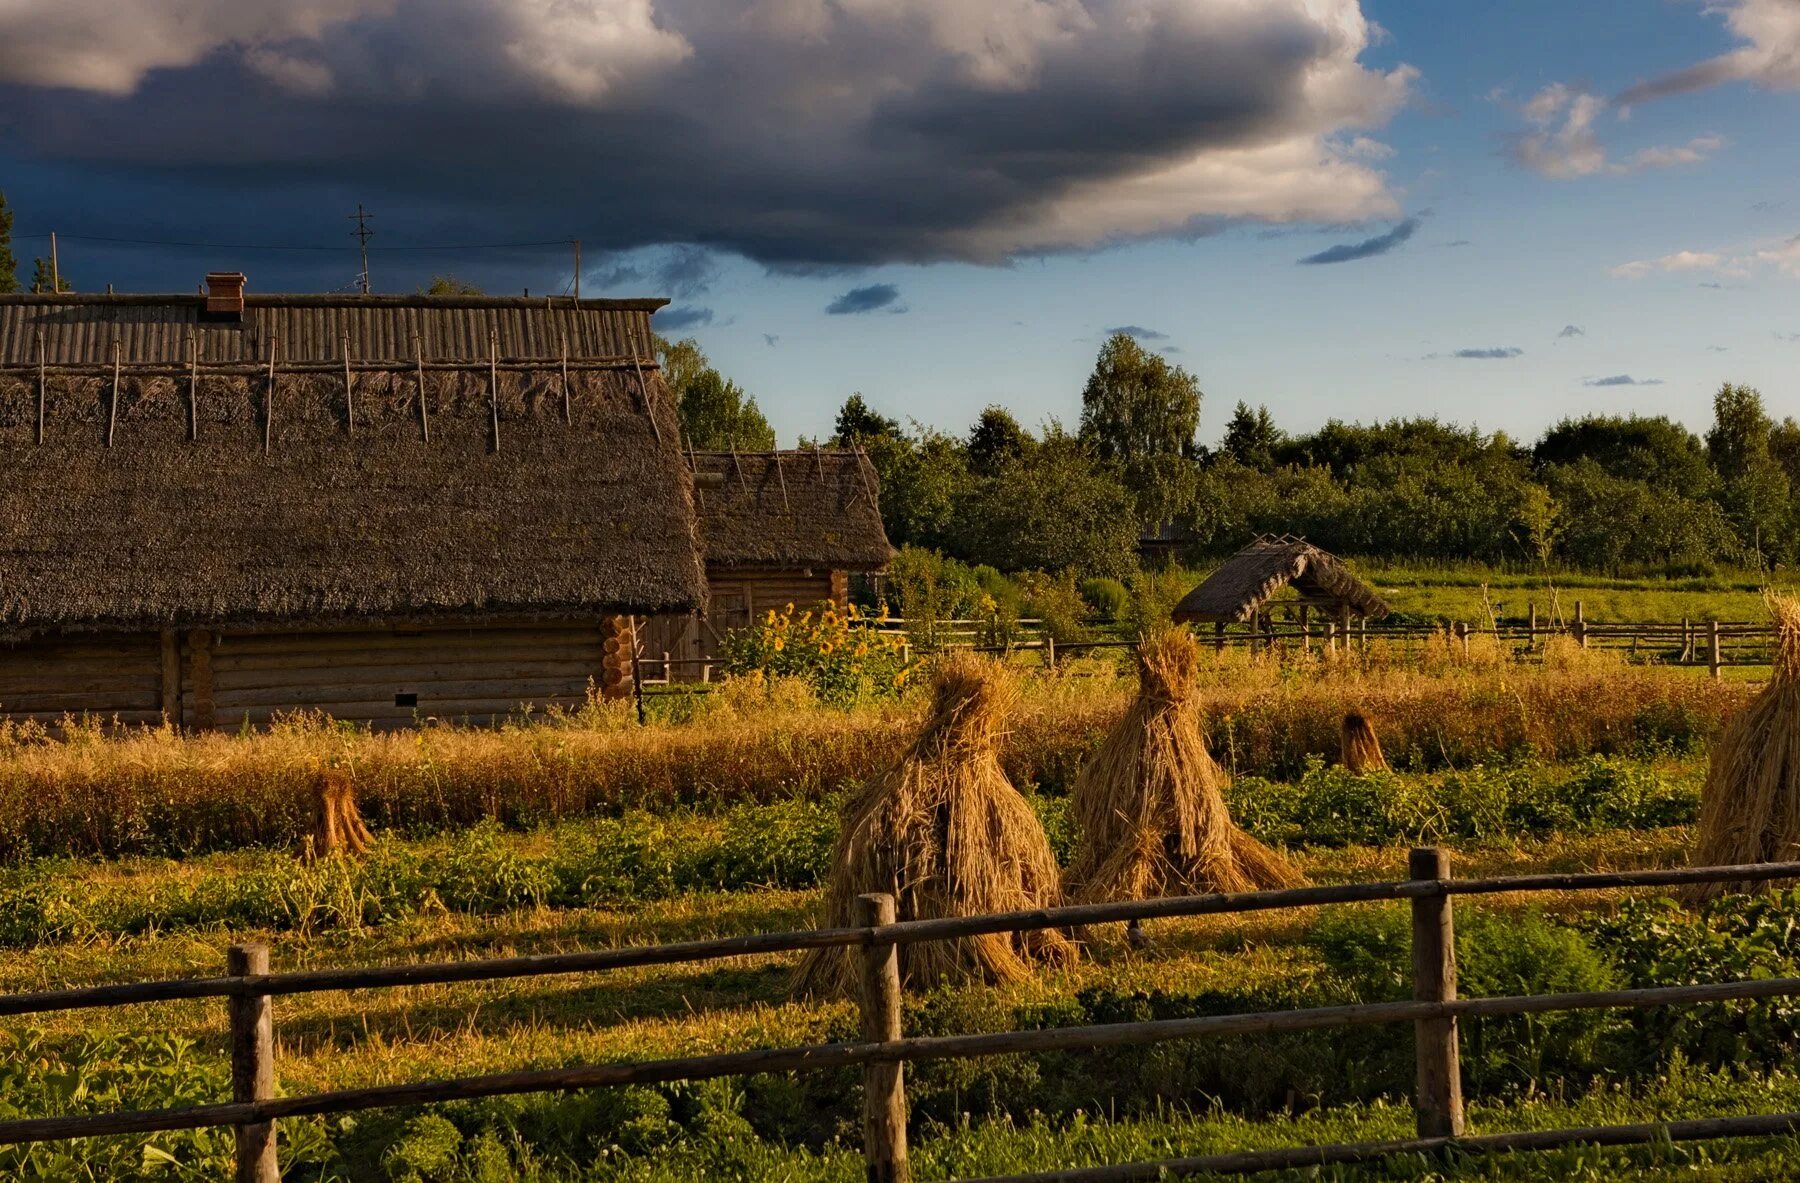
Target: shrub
833	652
1107	599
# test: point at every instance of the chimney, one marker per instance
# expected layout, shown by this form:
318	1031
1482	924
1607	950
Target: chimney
225	294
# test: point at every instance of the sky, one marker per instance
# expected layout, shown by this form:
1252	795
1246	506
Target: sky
1500	215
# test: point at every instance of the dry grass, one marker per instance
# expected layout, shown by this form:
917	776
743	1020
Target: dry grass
1750	805
946	834
1149	807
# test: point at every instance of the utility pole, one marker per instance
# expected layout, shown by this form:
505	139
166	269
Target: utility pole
578	269
55	267
362	234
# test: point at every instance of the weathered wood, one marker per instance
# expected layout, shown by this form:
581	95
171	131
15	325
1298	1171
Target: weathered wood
349	391
171	676
486	690
253	1065
1438	1099
269	399
176	368
193	407
112	404
494	389
245	646
424	412
43	393
884	1085
644	393
228	678
1715	658
568	413
198	684
1581	629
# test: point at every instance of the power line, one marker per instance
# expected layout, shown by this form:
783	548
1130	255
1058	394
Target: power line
272	246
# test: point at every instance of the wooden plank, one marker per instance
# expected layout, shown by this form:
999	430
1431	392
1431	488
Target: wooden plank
884	1085
253	1066
374	678
245	670
171	675
505	691
1438	1097
197	701
236	646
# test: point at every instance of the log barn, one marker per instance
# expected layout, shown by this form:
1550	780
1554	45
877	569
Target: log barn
219	507
776	528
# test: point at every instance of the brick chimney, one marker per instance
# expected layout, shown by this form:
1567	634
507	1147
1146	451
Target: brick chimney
225	294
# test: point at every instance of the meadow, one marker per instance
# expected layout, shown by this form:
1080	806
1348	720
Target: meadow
146	854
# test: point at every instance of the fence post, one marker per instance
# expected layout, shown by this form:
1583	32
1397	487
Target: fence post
252	1065
884	1085
1581	637
1531	627
1050	651
1713	658
1439	1101
1687	642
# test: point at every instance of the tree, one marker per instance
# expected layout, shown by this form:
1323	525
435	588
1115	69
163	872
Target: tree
996	440
1653	449
449	285
1753	490
9	263
45	277
857	423
717	415
1251	438
681	363
1137	405
1054	508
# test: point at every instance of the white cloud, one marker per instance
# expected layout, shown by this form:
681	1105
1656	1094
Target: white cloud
1561	142
1769	55
799	132
1782	257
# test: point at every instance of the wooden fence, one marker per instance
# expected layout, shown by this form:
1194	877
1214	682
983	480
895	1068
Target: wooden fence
1434	1011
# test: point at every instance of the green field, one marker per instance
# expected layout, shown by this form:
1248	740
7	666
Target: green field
1470	593
1541	770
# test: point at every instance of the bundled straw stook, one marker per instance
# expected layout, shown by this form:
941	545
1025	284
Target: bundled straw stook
1750	806
1150	807
946	834
1360	749
338	827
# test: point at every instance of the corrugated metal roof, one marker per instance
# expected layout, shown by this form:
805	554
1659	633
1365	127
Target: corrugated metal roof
156	329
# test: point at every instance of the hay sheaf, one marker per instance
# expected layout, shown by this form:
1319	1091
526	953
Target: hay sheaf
945	833
1149	806
1750	805
333	526
1358	746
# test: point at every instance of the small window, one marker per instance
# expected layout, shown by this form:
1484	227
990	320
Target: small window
406	698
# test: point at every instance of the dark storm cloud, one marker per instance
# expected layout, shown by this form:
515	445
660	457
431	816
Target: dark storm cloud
1381	244
1493	354
1571	331
673	320
1139	332
872	298
1621	380
799	133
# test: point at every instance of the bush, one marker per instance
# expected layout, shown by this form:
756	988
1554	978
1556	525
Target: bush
1054	600
834	653
1107	599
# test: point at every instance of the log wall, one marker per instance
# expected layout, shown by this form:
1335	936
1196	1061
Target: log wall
735	597
105	675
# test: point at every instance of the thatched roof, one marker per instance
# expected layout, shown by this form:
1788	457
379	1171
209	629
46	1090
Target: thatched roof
802	508
1245	582
276	512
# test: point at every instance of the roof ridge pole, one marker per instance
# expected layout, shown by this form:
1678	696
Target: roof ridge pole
43	384
782	477
568	416
424	415
637	363
349	395
269	398
193	387
494	385
112	409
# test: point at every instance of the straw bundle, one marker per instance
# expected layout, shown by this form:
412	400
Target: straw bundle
946	834
1150	804
1361	751
1750	806
337	823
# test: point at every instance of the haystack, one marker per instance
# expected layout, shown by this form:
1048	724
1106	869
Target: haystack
1361	751
1150	805
337	823
946	834
1750	806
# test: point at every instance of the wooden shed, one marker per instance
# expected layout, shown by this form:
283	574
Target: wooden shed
1241	588
776	528
221	507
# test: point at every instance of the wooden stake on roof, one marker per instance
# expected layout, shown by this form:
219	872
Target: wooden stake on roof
782	477
269	400
494	384
112	409
43	389
819	460
863	472
735	463
424	413
349	394
193	387
644	393
568	416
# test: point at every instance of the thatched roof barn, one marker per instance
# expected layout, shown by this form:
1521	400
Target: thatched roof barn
222	506
777	528
1243	584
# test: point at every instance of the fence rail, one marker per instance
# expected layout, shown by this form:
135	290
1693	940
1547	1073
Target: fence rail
883	1049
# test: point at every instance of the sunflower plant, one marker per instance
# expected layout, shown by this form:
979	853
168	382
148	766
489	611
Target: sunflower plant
833	650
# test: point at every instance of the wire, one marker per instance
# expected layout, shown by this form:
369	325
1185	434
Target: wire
270	246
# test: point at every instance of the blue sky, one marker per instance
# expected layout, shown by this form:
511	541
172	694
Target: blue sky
1570	227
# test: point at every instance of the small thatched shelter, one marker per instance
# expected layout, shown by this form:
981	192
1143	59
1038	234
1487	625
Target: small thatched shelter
776	528
219	507
1239	591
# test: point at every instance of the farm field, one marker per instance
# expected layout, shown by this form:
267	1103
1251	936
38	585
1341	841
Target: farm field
1457	593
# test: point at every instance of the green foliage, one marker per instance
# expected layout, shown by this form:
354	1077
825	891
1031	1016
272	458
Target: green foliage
9	263
1138	405
1108	599
840	656
995	441
1251	437
1054	508
928	589
858	423
1652	449
449	285
1753	488
47	277
717	415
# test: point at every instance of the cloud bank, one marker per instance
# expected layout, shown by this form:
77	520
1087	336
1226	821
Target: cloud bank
1381	244
1622	380
1560	141
801	133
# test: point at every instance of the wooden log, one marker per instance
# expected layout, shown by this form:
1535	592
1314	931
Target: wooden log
424	412
1439	1087
494	388
176	368
42	390
197	700
1715	659
349	391
568	413
193	407
242	646
1581	632
884	1086
227	680
269	399
494	690
171	676
112	404
253	1065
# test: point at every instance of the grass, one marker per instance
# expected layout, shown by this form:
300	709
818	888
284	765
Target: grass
1465	592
